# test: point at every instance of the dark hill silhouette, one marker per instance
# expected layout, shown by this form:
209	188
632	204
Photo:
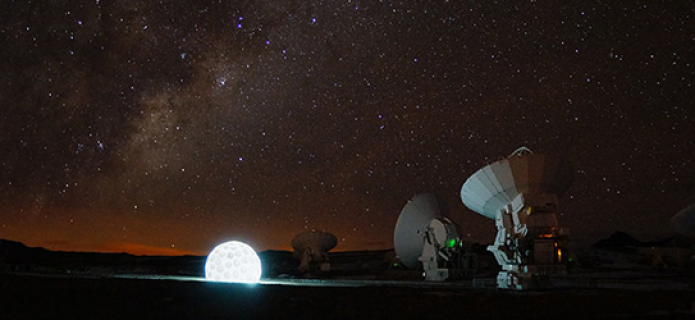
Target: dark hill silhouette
17	252
621	239
16	256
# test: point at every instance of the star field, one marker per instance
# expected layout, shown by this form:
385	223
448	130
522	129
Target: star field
168	127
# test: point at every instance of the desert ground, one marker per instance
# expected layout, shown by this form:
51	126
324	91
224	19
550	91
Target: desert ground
72	297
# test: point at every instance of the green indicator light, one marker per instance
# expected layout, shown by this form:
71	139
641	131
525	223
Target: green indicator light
451	243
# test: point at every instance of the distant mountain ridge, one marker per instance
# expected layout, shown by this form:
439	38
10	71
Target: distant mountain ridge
13	251
18	251
17	257
623	239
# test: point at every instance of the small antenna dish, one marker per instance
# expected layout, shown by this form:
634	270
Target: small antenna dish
684	222
311	249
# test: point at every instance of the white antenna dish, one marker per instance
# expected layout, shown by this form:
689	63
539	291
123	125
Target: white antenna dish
411	226
311	249
496	185
684	221
425	238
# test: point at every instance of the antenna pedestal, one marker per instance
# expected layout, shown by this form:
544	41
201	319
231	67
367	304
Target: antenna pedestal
529	243
439	235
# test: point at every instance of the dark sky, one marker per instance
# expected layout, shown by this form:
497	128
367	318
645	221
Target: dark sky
170	126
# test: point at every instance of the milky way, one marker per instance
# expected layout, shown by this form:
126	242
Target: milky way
168	127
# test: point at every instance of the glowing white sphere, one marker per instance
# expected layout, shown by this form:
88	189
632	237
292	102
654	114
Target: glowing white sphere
233	261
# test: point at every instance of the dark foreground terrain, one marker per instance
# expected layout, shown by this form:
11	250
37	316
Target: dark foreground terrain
32	297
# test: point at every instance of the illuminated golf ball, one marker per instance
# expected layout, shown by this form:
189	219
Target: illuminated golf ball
233	261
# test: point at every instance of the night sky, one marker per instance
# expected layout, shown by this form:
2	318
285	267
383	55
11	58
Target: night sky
167	127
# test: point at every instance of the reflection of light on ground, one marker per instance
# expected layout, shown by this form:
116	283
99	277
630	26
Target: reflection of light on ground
566	283
315	282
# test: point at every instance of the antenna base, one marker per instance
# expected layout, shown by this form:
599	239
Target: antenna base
529	244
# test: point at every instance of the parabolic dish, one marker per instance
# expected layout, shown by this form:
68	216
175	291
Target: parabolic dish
233	261
317	240
411	226
684	221
489	189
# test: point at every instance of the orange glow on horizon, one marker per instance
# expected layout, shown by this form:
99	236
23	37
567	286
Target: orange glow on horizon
145	250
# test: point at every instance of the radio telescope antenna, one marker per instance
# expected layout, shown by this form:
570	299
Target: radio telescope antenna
424	237
411	226
521	193
311	249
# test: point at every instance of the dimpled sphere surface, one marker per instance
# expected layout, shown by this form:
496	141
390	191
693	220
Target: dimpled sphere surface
233	261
